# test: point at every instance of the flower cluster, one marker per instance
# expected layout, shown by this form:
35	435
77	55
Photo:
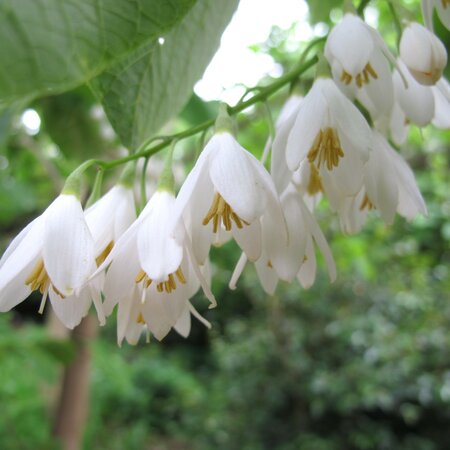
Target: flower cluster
150	266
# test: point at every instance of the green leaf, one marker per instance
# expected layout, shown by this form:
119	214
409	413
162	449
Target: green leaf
49	46
320	11
147	88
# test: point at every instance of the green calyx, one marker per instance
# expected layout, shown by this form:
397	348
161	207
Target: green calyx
128	175
322	68
72	186
224	123
166	180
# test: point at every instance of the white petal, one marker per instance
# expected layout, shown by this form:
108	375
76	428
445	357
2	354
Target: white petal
183	325
68	246
233	177
381	179
159	253
307	273
351	43
201	235
347	116
444	13
322	244
441	105
308	122
154	314
70	310
14	290
22	254
416	101
249	239
267	276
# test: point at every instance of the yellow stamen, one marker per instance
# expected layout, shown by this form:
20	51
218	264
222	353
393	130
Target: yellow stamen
38	280
140	319
445	3
326	148
221	212
362	77
103	255
346	78
168	285
315	182
366	203
269	264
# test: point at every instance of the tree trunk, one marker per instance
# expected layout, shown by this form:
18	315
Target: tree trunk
73	404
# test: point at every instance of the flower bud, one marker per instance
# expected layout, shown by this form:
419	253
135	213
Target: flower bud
423	53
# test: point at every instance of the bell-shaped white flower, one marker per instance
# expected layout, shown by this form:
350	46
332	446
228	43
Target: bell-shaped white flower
441	93
135	317
389	187
298	256
423	54
414	104
54	254
331	133
155	254
107	220
278	166
229	188
443	10
360	62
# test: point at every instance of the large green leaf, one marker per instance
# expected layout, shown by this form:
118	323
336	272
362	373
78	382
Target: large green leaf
48	46
147	88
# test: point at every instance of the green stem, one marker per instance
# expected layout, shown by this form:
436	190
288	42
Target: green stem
361	7
145	152
397	23
144	183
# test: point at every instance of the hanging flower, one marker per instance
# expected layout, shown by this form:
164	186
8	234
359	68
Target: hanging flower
413	104
156	255
423	54
299	259
107	220
135	318
330	133
229	189
389	187
54	255
443	10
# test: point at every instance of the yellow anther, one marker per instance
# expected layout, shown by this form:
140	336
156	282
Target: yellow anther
168	285
362	77
315	182
445	3
38	280
103	255
326	149
366	203
221	212
140	276
346	78
140	319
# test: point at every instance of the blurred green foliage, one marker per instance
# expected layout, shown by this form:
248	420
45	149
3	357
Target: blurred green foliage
361	364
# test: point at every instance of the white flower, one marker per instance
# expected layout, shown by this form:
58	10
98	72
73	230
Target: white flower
135	318
228	187
441	94
54	254
389	187
279	170
414	103
298	257
331	133
443	10
423	53
156	255
107	219
359	57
